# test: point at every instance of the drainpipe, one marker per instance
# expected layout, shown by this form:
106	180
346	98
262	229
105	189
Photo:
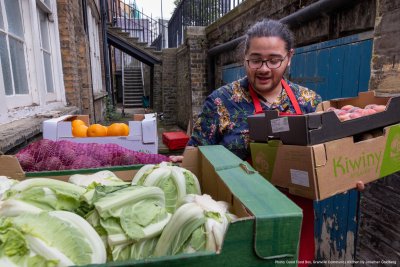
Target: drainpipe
297	18
107	71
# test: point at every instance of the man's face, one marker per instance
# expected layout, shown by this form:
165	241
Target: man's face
265	79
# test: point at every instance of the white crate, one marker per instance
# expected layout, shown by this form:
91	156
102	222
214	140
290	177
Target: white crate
142	132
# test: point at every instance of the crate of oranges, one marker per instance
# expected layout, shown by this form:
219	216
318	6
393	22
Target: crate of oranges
138	134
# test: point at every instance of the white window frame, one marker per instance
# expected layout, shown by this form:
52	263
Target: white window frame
95	56
14	101
37	100
49	96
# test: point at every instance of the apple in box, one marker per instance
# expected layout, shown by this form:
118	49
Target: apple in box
349	112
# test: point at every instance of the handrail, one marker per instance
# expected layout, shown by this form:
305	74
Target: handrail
136	23
196	13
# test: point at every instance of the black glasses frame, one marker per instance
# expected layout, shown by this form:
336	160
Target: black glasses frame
266	63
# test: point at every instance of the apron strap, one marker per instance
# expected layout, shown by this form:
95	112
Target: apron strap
257	104
292	97
256	101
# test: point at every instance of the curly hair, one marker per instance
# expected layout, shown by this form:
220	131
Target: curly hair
269	28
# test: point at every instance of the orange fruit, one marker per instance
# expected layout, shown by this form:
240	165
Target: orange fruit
80	130
126	126
96	130
117	129
77	122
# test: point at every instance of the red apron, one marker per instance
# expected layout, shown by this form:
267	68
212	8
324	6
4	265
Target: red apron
306	247
289	92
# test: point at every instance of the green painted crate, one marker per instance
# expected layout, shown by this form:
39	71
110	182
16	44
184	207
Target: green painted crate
268	229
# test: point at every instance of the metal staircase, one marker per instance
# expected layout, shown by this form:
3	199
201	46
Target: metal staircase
139	39
133	88
132	46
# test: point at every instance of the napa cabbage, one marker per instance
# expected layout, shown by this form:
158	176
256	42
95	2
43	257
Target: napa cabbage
176	182
56	238
130	219
46	194
104	177
199	223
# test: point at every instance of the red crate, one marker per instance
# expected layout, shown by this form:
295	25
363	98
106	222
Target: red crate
175	140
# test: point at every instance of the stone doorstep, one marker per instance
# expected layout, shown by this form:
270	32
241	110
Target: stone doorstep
19	133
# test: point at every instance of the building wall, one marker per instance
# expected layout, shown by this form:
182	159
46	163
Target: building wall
379	228
354	19
197	43
169	86
385	65
184	79
183	87
379	235
76	59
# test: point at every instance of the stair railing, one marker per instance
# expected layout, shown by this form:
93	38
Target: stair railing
123	82
137	24
196	13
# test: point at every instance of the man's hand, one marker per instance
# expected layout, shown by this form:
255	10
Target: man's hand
360	186
175	159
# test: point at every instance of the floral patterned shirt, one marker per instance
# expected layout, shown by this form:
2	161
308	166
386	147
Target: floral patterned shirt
223	120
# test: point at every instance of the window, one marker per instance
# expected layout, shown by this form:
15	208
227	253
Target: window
46	51
12	49
44	5
30	59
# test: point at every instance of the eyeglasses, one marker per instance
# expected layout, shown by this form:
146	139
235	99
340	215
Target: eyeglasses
271	63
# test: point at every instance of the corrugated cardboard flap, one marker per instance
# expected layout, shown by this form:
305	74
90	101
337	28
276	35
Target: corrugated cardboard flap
319	154
277	219
149	130
9	166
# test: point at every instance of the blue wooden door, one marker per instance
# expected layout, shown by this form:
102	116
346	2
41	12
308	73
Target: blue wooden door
232	73
334	69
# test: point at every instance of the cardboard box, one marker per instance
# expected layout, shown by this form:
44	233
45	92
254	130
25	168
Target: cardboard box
323	126
323	170
142	132
268	226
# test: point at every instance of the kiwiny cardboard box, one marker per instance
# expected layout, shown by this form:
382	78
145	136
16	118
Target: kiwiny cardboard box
323	170
323	126
142	132
266	232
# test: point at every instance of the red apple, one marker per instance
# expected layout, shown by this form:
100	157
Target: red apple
380	108
344	117
347	107
355	115
370	106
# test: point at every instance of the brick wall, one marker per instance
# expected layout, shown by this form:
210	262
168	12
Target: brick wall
355	19
75	56
379	228
169	92
184	107
157	86
197	45
184	79
385	67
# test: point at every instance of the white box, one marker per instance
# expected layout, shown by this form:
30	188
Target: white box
142	132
